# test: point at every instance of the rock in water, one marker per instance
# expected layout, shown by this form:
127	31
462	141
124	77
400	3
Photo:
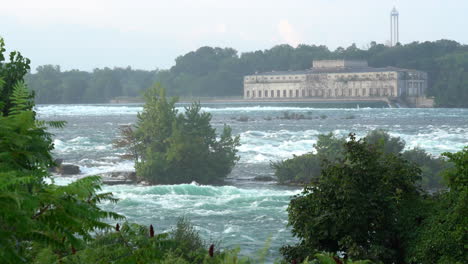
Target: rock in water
264	178
118	177
68	169
57	162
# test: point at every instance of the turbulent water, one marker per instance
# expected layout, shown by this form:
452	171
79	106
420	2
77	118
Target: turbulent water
243	213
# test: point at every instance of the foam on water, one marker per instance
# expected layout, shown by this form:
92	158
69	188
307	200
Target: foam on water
86	110
248	212
109	109
220	212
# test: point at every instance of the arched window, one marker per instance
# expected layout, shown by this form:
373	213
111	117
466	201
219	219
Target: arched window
248	94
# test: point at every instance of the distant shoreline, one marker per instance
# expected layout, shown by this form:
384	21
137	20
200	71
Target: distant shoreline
238	99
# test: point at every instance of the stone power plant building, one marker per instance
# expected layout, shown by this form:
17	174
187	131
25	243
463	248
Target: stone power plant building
339	80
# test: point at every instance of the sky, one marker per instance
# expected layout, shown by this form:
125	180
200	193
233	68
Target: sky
151	34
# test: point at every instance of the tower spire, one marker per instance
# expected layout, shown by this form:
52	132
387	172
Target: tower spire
394	27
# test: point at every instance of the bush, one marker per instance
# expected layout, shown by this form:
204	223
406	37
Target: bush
355	206
306	168
175	148
431	167
38	219
442	235
133	243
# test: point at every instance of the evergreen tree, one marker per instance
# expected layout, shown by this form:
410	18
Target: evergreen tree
177	147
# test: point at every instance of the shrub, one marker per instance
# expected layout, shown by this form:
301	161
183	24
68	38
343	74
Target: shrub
306	168
38	218
442	234
177	147
354	206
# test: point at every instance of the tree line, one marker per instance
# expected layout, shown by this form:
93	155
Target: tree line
211	72
365	204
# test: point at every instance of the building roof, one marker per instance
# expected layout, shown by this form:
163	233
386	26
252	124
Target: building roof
333	70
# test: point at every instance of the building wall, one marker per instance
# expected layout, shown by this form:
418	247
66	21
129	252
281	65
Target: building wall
332	85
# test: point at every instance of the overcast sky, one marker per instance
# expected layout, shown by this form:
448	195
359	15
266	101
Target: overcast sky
149	34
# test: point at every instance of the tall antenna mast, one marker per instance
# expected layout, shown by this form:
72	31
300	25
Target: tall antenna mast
394	28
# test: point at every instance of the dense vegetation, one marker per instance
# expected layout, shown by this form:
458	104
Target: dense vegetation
36	215
171	147
366	204
307	168
219	72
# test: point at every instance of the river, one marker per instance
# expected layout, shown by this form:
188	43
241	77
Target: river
243	212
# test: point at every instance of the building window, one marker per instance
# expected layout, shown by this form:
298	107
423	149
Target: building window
278	93
259	93
297	93
303	93
266	93
290	93
253	94
248	94
272	93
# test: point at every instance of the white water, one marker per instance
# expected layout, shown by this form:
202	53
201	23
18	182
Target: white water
246	213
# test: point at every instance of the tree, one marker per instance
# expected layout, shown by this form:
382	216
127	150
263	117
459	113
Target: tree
355	206
213	71
385	142
35	214
177	147
442	235
11	73
306	168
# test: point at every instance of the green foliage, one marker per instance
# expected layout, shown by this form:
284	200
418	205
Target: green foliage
451	85
52	85
328	258
385	142
442	236
11	73
354	207
134	244
431	168
367	205
38	217
306	168
219	71
177	147
188	238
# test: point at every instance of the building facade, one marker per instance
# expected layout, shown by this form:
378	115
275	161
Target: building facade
336	79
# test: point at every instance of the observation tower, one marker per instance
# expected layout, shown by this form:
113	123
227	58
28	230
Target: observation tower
394	28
